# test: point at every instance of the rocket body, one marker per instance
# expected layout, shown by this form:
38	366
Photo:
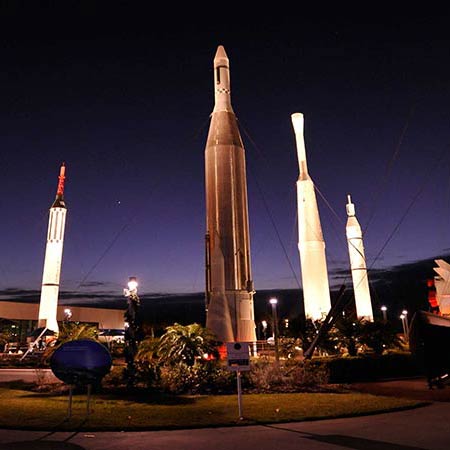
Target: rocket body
358	265
311	245
229	285
53	259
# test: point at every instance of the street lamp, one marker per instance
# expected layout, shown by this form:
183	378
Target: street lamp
133	333
384	311
67	314
273	301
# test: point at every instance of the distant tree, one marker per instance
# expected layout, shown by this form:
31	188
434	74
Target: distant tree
186	344
5	337
328	345
379	336
5	333
348	332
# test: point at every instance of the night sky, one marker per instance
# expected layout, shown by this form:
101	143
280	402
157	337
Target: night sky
124	96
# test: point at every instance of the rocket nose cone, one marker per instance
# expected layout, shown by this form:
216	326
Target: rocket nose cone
297	122
221	58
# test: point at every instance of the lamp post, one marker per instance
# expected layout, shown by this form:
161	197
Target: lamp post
274	302
405	314
402	317
384	311
133	333
264	328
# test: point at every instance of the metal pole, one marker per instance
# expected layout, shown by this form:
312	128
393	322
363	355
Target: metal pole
407	328
384	315
275	332
404	327
69	408
88	403
239	390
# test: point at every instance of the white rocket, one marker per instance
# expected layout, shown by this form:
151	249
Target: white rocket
358	264
53	258
229	284
442	283
316	291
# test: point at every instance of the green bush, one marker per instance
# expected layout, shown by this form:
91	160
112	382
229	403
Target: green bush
208	377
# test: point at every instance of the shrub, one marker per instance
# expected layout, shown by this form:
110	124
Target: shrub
147	362
115	377
202	378
296	376
368	367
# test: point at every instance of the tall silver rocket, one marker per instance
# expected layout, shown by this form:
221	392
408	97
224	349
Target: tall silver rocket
316	291
53	258
229	284
358	264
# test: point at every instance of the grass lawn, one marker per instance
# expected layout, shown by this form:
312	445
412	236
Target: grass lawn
29	410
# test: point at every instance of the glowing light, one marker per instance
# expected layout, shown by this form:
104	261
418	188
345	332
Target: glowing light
132	284
273	301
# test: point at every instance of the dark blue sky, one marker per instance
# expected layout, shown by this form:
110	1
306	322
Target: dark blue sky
124	97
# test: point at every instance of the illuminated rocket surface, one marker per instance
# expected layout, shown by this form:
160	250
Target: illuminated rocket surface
229	284
311	245
53	258
358	264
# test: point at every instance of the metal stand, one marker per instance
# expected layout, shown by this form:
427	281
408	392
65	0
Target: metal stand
69	409
239	392
88	401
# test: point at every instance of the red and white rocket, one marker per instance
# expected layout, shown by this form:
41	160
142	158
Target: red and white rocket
53	258
358	264
229	284
311	245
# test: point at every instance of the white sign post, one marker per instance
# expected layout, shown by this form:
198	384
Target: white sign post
238	360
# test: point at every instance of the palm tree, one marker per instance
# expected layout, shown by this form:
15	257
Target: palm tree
186	344
70	331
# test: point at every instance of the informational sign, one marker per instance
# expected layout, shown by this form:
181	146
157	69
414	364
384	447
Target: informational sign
81	362
238	356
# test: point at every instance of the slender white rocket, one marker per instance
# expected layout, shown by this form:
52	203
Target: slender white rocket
53	258
311	245
229	284
358	264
